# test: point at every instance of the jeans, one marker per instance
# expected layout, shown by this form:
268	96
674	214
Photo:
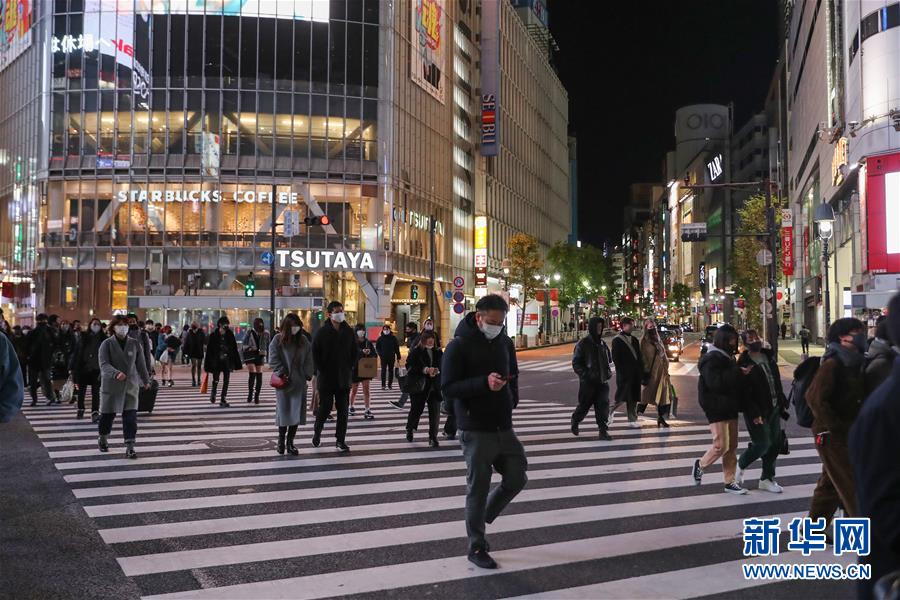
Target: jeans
596	396
328	399
85	379
485	451
418	407
725	434
38	375
765	443
387	372
129	424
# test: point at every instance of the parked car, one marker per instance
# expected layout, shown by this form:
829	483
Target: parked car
671	338
687	328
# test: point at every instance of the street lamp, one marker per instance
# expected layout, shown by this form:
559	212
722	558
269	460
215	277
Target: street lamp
825	220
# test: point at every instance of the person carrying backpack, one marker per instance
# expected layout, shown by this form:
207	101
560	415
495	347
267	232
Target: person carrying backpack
834	398
879	358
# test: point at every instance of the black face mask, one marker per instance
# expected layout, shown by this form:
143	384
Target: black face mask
132	326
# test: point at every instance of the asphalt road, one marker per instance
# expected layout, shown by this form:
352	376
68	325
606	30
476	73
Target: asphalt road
209	510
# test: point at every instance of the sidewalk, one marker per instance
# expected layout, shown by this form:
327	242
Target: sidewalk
789	351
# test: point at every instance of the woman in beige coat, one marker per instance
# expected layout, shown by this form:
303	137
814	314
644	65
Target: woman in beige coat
656	374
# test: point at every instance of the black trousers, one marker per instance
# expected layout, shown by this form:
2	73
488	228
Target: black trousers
40	376
417	407
387	371
226	377
804	344
596	396
24	366
628	392
85	379
129	424
327	400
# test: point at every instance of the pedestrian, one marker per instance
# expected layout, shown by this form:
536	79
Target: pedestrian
123	369
479	373
424	381
194	347
20	344
764	405
39	342
153	330
410	334
626	354
137	332
290	356
879	358
388	349
161	337
591	362
364	349
221	359
334	354
428	325
783	330
656	379
85	367
168	351
805	334
719	390
254	350
185	359
874	448
12	386
834	397
63	347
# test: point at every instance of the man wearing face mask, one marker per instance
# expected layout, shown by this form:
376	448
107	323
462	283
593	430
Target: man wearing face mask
85	366
334	353
39	345
479	374
388	348
834	397
222	358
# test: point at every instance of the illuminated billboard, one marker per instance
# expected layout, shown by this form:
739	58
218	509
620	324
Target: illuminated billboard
15	29
881	214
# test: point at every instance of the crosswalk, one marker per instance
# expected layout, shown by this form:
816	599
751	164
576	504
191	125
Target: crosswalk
209	510
564	365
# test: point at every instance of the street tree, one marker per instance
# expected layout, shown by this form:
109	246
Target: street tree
525	266
747	274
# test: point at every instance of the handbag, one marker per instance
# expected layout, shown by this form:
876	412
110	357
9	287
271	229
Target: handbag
67	392
784	449
204	385
251	354
164	357
367	368
278	382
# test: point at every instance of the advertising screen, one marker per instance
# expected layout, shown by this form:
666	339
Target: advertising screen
882	213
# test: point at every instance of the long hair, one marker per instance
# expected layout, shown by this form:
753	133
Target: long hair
116	320
287	337
428	335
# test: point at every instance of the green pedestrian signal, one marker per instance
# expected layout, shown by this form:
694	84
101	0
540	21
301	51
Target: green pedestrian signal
250	287
414	292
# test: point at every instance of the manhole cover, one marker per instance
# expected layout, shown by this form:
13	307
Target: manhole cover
240	444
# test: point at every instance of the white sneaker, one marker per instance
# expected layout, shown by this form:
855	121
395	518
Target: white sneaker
739	476
769	485
610	419
634	424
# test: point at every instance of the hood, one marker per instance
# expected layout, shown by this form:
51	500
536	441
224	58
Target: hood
592	327
714	353
849	358
880	347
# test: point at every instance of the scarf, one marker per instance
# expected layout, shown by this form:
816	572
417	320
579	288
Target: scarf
849	358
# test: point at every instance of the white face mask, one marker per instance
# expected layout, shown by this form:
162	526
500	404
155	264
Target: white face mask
360	334
96	328
337	317
429	326
64	327
385	331
295	329
121	330
490	331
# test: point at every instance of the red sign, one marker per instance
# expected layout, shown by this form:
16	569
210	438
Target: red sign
554	295
601	300
787	251
539	296
531	320
882	214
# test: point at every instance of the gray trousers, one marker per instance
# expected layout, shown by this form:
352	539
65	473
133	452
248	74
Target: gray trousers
485	451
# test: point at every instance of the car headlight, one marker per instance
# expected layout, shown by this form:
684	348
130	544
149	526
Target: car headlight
673	347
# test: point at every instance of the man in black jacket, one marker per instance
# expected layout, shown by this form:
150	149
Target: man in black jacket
334	352
479	373
85	368
591	363
388	349
626	354
39	342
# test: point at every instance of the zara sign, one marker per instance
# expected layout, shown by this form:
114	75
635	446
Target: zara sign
714	167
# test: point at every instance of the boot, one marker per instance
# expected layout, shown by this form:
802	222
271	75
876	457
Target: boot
250	382
223	403
281	433
129	450
212	391
291	432
258	387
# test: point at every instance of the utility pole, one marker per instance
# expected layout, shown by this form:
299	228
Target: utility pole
772	323
431	227
272	272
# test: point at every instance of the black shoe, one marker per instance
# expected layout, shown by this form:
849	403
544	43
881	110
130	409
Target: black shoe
249	399
212	400
129	452
605	437
317	439
450	436
80	414
95	417
292	450
103	444
661	422
396	404
409	436
342	447
193	383
34	403
433	442
330	418
574	427
223	404
256	401
480	558
697	472
384	387
390	387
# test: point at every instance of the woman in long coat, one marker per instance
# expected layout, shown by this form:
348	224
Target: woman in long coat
122	372
290	356
221	359
424	371
656	374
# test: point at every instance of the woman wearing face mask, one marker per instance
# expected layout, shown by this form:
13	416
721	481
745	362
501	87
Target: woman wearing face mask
122	370
170	344
656	374
388	348
254	349
763	404
719	385
290	356
85	367
63	347
428	325
364	349
221	359
424	381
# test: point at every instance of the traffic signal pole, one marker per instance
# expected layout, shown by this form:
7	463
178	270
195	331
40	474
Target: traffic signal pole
272	272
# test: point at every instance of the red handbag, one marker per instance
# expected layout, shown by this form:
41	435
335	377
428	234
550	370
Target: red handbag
278	382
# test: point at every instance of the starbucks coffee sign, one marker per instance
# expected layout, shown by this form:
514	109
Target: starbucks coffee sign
335	260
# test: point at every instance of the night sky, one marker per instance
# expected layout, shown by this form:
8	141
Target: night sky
628	66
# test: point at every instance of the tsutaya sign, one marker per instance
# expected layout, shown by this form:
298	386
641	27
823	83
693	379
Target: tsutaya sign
346	260
205	196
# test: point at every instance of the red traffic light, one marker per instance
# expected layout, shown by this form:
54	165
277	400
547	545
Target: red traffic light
324	220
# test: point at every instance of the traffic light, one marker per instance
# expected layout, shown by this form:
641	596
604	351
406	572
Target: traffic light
323	221
319	315
414	292
250	287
